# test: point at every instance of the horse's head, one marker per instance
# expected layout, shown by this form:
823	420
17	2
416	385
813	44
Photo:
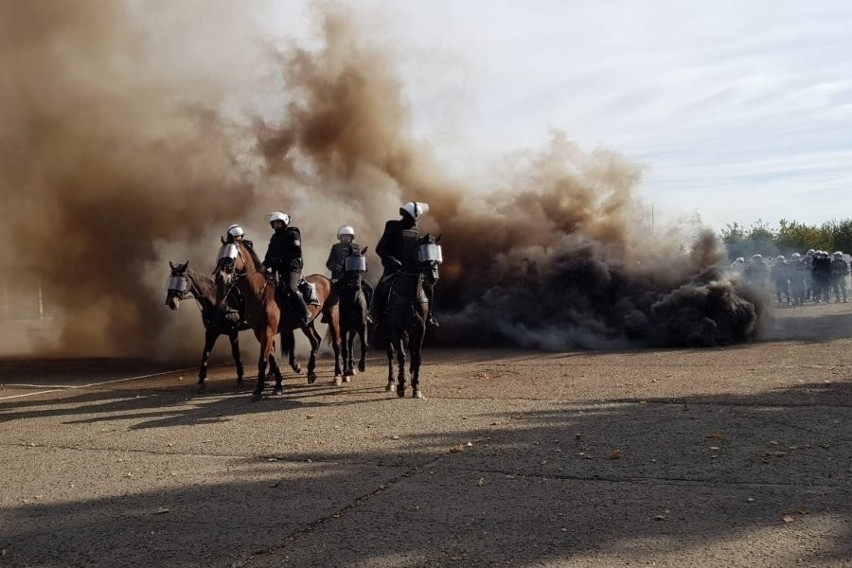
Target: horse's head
177	287
354	267
430	257
230	264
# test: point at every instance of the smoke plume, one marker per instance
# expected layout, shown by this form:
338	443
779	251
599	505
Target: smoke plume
134	133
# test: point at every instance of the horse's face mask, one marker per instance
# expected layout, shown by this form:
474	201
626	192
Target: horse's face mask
354	267
430	257
177	286
226	263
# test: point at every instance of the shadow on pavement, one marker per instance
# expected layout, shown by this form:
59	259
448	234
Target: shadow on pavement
612	480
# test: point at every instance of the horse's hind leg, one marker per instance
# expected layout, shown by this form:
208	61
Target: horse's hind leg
209	342
279	378
234	336
288	346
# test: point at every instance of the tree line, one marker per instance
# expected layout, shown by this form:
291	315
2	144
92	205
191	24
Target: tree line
787	238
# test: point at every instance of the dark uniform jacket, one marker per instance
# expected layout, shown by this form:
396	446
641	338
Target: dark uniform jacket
285	251
839	269
338	254
392	243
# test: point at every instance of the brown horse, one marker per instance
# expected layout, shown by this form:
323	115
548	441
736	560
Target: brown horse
237	266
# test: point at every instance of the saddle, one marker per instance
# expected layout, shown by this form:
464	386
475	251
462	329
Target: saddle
388	298
306	289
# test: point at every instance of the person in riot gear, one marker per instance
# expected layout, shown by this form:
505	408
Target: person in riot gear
738	266
780	274
781	279
821	273
809	282
839	271
235	234
337	256
798	274
235	302
284	259
756	271
392	250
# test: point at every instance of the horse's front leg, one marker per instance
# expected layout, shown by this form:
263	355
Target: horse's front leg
349	359
265	349
209	342
345	354
234	336
362	336
401	344
390	354
416	350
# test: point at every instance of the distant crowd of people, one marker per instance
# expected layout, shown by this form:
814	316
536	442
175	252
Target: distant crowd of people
814	276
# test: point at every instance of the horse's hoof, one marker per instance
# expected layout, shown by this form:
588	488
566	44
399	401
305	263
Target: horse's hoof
201	388
389	387
256	396
297	368
418	394
347	378
338	380
278	391
312	378
362	367
400	391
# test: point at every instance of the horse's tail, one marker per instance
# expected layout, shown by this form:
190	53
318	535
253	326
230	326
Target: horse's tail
327	338
288	343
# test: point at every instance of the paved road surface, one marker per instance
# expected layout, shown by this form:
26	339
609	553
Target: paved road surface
727	457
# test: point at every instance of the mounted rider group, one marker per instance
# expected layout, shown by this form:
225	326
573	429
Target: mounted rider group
284	261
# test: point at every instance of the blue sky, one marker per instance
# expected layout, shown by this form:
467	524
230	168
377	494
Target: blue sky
738	110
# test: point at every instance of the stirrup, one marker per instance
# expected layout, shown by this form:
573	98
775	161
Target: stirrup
432	322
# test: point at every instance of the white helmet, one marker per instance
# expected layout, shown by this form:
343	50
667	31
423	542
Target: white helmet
811	251
740	259
795	255
278	216
235	231
757	256
346	230
780	258
838	253
414	209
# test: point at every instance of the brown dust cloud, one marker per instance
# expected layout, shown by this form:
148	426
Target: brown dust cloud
132	133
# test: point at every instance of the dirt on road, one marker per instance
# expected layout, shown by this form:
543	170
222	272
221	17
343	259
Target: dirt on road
724	457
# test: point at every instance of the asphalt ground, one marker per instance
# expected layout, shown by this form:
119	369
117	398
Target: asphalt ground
724	457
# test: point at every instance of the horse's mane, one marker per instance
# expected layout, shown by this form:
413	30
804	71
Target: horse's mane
199	277
250	248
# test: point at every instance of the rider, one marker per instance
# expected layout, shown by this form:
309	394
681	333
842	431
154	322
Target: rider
393	248
284	259
337	256
236	235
